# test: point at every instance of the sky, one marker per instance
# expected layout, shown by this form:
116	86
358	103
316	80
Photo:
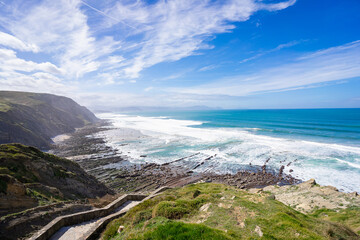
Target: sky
180	53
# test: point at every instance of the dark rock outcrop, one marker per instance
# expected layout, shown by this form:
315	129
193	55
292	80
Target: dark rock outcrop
34	118
29	177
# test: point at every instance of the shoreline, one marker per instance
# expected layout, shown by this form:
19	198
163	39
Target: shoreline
233	147
60	138
89	149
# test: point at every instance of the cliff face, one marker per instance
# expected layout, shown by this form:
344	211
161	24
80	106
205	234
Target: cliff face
29	177
34	118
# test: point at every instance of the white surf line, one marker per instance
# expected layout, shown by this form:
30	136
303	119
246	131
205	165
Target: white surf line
354	165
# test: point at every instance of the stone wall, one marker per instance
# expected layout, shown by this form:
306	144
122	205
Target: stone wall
107	213
72	219
96	231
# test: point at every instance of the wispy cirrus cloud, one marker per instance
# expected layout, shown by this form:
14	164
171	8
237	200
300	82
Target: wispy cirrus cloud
50	45
10	41
332	64
165	31
172	30
60	29
278	48
207	68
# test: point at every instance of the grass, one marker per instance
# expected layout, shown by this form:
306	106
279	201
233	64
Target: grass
231	214
4	107
42	198
12	157
16	161
183	231
18	98
349	217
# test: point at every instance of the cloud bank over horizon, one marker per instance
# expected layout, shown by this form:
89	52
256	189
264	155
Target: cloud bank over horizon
159	53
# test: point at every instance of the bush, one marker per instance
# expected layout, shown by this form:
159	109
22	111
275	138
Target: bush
142	216
170	210
111	230
196	193
184	231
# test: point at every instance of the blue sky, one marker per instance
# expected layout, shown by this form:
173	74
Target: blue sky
178	53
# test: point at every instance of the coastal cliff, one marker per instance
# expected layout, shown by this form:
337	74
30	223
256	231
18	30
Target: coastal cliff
30	177
34	118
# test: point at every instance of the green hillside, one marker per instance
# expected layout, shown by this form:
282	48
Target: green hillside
215	211
34	118
29	177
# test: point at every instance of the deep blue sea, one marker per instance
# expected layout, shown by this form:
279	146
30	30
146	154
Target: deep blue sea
311	143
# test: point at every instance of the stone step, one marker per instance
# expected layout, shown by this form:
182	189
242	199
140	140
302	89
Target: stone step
82	230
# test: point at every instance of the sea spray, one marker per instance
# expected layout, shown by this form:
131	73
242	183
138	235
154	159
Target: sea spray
331	158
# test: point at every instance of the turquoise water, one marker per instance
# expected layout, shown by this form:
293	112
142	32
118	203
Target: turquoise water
312	143
324	125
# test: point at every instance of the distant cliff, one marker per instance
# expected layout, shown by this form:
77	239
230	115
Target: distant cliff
34	118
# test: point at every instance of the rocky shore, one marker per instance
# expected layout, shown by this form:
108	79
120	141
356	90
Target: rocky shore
89	150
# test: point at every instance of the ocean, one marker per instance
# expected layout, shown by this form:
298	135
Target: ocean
311	143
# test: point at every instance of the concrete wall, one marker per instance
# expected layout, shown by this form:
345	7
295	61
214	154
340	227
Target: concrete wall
96	231
108	211
72	219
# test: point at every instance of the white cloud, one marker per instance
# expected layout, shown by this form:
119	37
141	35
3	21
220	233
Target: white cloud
172	30
138	35
15	43
10	62
37	82
279	47
110	101
108	78
148	89
60	29
147	34
333	64
22	75
207	68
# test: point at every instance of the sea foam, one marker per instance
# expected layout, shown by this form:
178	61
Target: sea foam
164	140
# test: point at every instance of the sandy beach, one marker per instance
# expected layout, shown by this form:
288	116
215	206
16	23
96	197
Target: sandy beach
60	138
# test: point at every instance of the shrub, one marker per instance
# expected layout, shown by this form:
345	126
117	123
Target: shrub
196	193
170	210
142	216
183	231
111	230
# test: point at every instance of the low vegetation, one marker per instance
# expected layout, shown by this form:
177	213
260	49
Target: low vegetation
34	118
215	211
30	177
349	216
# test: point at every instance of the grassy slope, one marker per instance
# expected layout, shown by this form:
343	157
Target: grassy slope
29	166
215	211
349	216
33	118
